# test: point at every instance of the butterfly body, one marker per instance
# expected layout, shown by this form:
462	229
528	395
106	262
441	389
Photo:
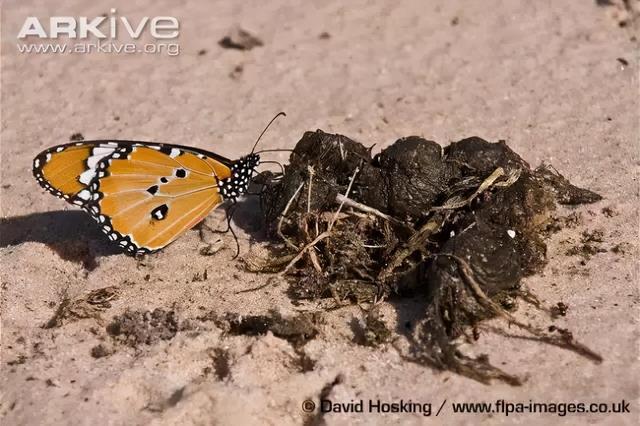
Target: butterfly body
142	195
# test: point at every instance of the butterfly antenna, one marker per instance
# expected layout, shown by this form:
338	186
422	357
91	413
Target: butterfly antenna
275	162
275	150
265	129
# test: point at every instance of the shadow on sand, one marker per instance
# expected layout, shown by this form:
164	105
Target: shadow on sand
74	236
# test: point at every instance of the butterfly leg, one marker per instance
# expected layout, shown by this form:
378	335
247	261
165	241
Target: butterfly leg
229	213
229	216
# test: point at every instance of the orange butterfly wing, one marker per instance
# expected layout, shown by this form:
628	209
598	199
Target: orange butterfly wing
146	198
67	170
142	195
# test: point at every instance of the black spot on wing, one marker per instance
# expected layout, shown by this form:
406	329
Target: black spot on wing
160	212
181	173
152	189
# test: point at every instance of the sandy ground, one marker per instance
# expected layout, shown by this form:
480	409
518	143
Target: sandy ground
542	75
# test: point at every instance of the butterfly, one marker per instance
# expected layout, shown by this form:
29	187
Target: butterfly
144	195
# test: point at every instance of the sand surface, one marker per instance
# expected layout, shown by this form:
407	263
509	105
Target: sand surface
545	76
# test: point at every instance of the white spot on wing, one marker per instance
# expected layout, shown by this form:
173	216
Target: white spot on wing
101	150
97	155
174	152
86	176
84	194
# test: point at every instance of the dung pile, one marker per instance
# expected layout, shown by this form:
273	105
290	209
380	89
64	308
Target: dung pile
461	224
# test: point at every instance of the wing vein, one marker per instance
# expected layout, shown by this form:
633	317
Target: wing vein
162	165
204	161
167	196
206	201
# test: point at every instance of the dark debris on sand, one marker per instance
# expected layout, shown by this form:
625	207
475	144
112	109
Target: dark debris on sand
135	328
461	224
240	39
298	329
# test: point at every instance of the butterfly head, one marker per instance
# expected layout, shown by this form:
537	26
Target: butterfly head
241	173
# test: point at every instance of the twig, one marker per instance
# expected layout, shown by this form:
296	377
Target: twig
362	207
314	261
311	171
326	233
456	202
260	287
346	194
319	238
414	243
467	275
284	213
